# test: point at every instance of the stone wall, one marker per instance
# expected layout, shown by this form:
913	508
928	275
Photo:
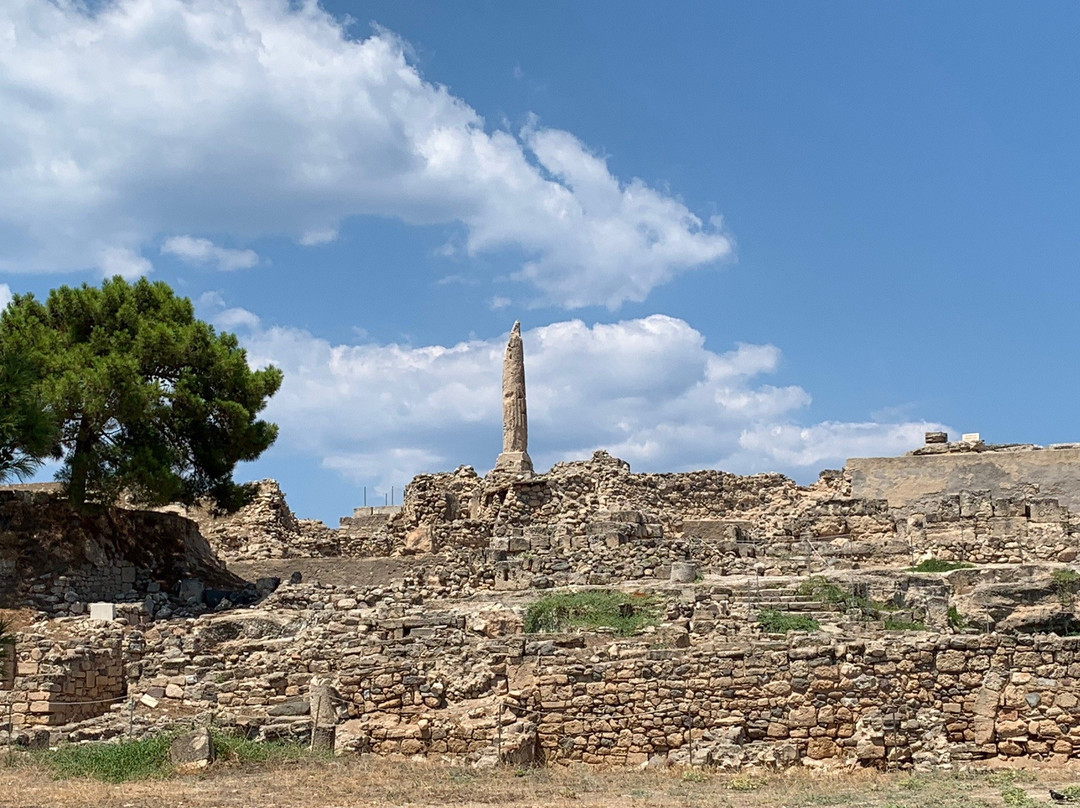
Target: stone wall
264	528
978	527
1004	472
59	559
59	681
446	683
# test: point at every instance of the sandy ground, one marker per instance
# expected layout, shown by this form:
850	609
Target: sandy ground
364	782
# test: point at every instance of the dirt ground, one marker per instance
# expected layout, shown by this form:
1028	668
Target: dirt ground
362	782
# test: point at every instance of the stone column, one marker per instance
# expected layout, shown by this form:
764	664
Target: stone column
514	458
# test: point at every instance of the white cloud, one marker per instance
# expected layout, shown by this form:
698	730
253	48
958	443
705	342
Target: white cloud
324	235
124	262
648	390
5	296
133	120
203	251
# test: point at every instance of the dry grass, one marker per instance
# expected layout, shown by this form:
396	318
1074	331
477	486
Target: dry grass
368	781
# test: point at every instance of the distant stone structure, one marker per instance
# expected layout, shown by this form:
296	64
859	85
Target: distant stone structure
941	468
514	458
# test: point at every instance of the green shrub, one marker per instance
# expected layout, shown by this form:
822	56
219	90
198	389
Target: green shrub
939	565
626	613
1066	582
825	591
143	759
773	621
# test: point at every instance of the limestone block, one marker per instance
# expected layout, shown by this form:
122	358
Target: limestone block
976	504
103	611
1007	527
191	589
1047	510
821	748
192	751
419	540
950	661
683	572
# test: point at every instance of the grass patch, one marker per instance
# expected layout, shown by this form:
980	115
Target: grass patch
235	749
1016	797
939	565
600	608
891	624
827	592
144	759
148	758
773	621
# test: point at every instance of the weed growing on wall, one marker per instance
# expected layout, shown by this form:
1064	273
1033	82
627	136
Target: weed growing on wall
774	621
1066	583
600	608
939	565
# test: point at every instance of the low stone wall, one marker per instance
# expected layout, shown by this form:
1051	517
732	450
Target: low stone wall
58	682
409	680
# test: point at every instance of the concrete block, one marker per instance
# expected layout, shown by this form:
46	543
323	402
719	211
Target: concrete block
103	611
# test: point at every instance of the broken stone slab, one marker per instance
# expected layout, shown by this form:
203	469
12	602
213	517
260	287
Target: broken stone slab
289	708
192	751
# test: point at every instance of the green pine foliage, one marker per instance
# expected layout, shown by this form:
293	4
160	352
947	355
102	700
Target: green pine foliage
146	399
27	428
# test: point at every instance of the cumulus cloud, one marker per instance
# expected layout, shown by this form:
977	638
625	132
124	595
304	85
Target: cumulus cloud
648	390
5	295
124	262
203	251
133	121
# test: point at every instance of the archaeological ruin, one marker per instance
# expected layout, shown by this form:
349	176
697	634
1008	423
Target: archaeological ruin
917	611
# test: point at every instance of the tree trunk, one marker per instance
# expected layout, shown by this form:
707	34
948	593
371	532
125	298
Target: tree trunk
80	464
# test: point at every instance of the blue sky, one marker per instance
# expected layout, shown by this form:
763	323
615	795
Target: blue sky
748	236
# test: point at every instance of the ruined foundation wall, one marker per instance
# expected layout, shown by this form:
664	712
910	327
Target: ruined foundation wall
60	682
57	558
1043	472
435	684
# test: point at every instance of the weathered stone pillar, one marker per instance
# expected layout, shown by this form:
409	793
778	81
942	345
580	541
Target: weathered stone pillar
323	699
514	458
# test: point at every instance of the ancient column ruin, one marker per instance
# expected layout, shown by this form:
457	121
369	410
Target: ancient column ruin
514	458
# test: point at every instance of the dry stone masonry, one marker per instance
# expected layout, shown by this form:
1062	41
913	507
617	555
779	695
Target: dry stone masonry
404	631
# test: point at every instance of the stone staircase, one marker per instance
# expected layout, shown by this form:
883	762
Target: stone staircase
781	595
